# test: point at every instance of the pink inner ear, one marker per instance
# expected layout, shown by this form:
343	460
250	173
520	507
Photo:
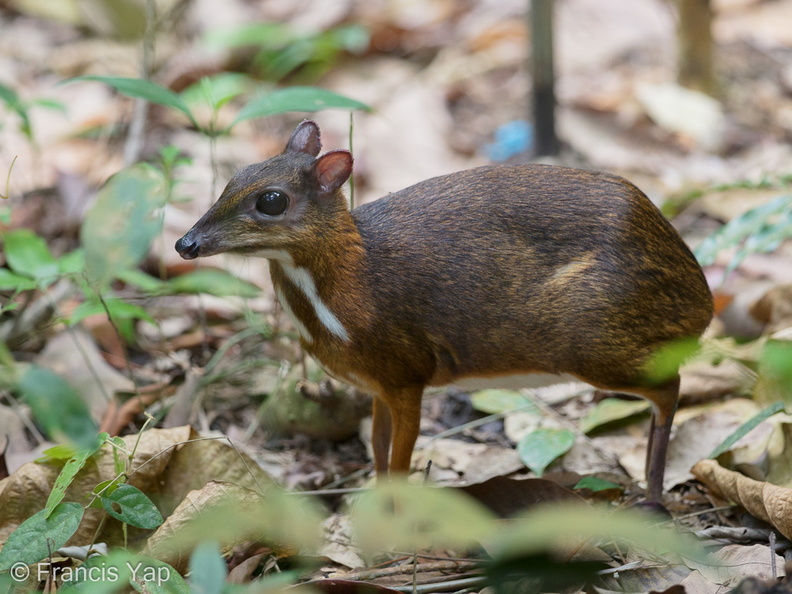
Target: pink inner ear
333	169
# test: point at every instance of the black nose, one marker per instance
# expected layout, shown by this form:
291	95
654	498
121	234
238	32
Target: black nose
187	248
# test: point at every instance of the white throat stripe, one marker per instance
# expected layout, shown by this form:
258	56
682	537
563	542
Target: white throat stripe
303	280
280	255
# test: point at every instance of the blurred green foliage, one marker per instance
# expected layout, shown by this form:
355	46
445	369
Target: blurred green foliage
281	51
759	230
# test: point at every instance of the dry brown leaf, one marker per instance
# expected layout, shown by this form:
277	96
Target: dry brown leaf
208	460
703	381
233	515
162	468
75	357
595	455
474	462
779	467
762	500
338	542
696	583
508	497
730	564
243	573
161	545
774	308
695	437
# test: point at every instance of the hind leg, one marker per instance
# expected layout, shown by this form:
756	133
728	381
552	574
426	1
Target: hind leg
665	403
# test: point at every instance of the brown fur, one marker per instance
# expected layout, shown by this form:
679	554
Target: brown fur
492	271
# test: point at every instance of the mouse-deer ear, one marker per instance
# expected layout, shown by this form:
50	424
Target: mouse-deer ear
305	139
333	169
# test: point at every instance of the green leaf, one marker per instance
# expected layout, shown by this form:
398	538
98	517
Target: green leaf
212	281
217	90
405	516
28	254
69	471
501	401
552	527
275	516
39	535
594	484
540	447
107	574
144	89
665	361
72	263
52	104
120	456
143	281
131	506
57	406
61	451
119	228
258	34
746	428
118	308
291	99
104	489
153	576
208	570
775	358
14	282
610	410
10	97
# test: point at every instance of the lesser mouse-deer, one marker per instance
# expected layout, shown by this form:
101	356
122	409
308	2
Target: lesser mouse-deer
495	271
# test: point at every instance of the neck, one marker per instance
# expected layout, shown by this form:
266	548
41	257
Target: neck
319	285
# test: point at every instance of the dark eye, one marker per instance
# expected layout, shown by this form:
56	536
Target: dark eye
272	203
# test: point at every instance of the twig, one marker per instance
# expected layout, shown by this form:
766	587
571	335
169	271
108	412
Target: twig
320	492
625	567
476	422
454	585
29	425
350	477
734	534
773	568
371	574
183	400
224	348
37	312
704	511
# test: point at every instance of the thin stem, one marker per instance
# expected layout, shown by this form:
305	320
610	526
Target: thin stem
351	177
120	341
134	141
8	180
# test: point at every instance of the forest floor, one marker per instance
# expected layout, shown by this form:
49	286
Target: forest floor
449	89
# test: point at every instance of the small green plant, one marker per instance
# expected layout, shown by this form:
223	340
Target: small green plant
282	51
16	104
217	91
49	529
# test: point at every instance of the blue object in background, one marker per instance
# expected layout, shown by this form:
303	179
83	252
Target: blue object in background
510	140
